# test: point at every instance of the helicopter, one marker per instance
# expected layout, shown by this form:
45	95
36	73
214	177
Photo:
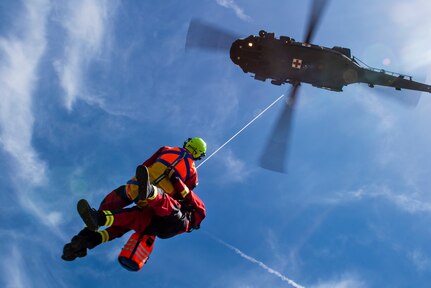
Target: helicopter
284	60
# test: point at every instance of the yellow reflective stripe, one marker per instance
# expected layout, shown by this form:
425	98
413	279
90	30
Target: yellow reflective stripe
142	253
105	235
109	218
185	192
154	194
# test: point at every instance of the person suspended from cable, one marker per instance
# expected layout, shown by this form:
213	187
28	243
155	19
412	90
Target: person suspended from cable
164	206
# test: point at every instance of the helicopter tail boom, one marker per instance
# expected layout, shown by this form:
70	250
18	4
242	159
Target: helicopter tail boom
398	81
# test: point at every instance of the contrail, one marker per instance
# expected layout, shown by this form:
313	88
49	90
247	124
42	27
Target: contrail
252	260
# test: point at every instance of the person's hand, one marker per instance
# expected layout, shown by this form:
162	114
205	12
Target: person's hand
174	178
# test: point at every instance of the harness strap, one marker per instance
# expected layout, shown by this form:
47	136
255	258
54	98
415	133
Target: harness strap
169	169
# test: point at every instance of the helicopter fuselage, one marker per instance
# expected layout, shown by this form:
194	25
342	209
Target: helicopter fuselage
284	60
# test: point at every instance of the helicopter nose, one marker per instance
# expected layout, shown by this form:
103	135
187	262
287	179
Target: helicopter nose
235	51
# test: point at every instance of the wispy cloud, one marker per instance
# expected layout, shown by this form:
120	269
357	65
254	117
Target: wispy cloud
413	20
237	169
85	23
13	270
343	281
230	4
386	119
32	255
405	201
34	205
20	57
420	260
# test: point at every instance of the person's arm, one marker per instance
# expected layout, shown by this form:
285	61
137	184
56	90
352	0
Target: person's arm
197	209
192	181
191	202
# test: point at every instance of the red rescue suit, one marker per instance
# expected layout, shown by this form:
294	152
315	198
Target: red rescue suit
175	211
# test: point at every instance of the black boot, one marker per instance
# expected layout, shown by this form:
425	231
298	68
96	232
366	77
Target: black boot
145	187
91	217
86	239
76	248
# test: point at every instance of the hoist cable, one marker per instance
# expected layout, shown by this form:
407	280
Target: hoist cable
242	129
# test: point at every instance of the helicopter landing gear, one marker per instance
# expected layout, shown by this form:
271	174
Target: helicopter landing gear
277	82
260	78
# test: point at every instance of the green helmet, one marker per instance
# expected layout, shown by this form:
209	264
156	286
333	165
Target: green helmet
196	147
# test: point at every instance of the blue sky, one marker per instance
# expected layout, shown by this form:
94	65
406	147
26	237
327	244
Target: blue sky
89	89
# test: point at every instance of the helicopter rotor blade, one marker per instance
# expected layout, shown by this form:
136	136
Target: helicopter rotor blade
406	98
317	9
206	36
275	152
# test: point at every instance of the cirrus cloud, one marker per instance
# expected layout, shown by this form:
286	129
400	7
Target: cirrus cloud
230	4
20	57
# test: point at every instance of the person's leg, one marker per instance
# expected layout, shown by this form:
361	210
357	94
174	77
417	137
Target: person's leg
79	244
134	218
162	203
115	200
170	220
88	239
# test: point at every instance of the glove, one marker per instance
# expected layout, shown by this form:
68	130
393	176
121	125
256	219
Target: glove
174	178
179	185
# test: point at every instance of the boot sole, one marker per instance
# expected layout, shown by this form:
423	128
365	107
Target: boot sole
68	253
76	248
84	211
144	177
